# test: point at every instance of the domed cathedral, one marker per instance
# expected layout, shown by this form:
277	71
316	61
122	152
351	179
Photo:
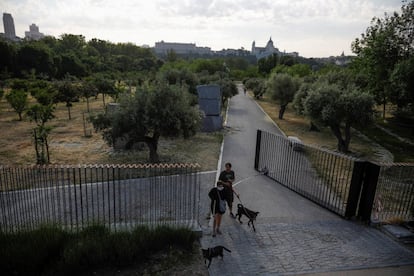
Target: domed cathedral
261	52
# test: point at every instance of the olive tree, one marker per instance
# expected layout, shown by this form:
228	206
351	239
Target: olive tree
18	101
148	114
282	87
339	109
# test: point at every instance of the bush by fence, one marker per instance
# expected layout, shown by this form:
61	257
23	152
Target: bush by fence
49	250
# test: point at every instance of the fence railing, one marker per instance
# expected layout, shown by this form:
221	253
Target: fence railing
320	175
118	196
394	196
342	184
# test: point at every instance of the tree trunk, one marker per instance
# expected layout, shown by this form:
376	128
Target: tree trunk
103	98
87	104
152	143
313	127
282	111
20	116
347	136
68	106
341	142
383	109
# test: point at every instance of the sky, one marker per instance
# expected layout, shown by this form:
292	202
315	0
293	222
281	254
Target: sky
314	28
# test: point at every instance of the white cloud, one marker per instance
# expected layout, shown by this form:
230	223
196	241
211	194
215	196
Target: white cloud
313	28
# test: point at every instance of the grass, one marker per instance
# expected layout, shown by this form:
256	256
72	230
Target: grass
69	145
51	251
360	147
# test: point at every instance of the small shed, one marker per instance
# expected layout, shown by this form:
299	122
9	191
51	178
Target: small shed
209	101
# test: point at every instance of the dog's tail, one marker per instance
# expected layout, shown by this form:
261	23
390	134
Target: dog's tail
226	249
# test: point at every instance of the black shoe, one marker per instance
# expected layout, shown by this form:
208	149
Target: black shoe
232	215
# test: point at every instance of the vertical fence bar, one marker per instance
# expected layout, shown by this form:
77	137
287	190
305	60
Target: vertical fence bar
368	191
257	153
355	188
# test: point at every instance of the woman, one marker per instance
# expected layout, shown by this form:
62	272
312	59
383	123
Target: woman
217	206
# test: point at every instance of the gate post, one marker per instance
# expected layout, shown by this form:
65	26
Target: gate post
257	154
355	189
368	191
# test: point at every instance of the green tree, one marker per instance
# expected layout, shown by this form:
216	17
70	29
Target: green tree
43	91
71	64
339	109
105	86
18	101
147	115
265	65
87	89
257	85
402	83
68	93
282	87
298	102
228	89
385	43
36	56
41	114
8	58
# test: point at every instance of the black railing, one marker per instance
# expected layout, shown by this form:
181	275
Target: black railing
118	196
342	184
322	176
394	196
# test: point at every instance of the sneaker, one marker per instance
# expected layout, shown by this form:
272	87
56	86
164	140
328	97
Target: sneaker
219	232
214	234
232	215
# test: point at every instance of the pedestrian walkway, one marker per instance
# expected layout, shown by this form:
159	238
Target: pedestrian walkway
294	235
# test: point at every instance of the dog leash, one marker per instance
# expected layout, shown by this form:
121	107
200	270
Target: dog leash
263	171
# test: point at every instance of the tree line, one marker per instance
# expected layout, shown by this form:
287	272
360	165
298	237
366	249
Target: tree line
381	73
160	93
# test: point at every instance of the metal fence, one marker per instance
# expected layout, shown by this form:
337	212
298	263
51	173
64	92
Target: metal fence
117	196
394	196
324	177
340	183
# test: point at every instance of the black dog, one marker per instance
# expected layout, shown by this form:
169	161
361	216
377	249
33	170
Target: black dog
210	253
241	210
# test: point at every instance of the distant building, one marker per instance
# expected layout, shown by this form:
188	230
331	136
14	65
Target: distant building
341	60
8	23
180	48
34	33
269	49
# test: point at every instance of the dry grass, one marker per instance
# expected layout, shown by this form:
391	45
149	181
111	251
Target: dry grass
69	145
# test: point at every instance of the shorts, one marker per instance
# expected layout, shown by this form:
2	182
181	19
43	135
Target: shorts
215	208
229	197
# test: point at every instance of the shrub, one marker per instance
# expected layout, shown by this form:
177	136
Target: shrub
53	251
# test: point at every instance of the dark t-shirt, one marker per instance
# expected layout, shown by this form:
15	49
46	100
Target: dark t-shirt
226	176
216	195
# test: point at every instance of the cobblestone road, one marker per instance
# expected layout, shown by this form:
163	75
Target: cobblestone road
280	248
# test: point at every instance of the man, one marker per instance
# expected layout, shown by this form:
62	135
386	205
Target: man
227	178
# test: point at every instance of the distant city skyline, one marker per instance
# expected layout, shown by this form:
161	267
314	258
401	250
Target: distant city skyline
319	28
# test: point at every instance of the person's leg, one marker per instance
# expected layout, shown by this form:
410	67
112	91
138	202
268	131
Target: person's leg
215	223
230	203
218	223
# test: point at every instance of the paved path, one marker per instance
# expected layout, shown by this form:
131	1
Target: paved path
294	236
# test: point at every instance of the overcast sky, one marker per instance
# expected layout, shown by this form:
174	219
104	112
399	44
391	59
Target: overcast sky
314	28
